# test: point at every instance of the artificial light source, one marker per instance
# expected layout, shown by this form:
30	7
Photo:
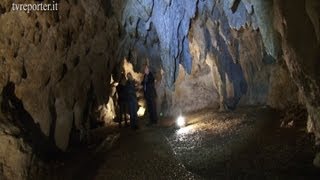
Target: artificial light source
181	121
141	111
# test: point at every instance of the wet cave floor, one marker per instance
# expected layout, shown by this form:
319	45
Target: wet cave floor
245	144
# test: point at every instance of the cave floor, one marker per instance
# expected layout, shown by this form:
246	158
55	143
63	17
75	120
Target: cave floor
245	144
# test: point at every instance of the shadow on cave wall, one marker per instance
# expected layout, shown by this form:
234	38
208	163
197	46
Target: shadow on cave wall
229	70
107	7
30	132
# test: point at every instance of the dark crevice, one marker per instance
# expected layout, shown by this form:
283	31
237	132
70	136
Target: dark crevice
64	72
87	51
74	139
76	61
38	26
109	64
48	25
53	113
107	7
68	38
91	104
55	47
90	70
235	5
87	106
30	132
15	54
47	81
55	15
2	10
40	37
24	72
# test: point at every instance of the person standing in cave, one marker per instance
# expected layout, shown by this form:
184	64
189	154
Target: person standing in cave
150	95
122	100
132	101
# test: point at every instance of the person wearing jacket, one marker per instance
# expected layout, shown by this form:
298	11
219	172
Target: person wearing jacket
150	95
122	100
132	101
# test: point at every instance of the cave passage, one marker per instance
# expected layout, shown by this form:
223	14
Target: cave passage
248	143
231	89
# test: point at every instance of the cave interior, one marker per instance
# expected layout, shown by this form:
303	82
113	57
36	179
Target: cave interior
241	78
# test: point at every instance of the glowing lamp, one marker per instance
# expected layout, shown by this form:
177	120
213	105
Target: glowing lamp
181	121
141	111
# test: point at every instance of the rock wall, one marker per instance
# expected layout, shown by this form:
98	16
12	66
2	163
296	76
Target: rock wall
59	62
18	159
244	73
59	65
298	25
228	53
258	52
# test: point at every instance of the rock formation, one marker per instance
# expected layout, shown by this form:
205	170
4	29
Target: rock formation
229	43
300	47
257	52
57	66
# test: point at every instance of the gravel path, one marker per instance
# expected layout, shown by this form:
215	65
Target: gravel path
129	154
245	144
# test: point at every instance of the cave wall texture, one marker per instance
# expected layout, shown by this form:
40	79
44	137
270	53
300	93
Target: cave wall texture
59	66
228	53
56	67
212	53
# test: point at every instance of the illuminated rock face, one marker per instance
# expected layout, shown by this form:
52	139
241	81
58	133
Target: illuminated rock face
258	52
227	53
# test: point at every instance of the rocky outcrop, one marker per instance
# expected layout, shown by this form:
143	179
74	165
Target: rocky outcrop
59	64
18	159
170	20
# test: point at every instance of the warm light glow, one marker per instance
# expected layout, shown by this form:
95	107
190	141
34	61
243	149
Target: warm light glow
181	121
185	130
141	111
128	68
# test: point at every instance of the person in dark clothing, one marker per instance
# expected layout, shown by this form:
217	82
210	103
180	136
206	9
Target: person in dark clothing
150	95
122	100
132	101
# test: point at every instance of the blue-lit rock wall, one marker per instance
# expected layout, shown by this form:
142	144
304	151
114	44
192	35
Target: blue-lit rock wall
229	53
167	24
240	68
